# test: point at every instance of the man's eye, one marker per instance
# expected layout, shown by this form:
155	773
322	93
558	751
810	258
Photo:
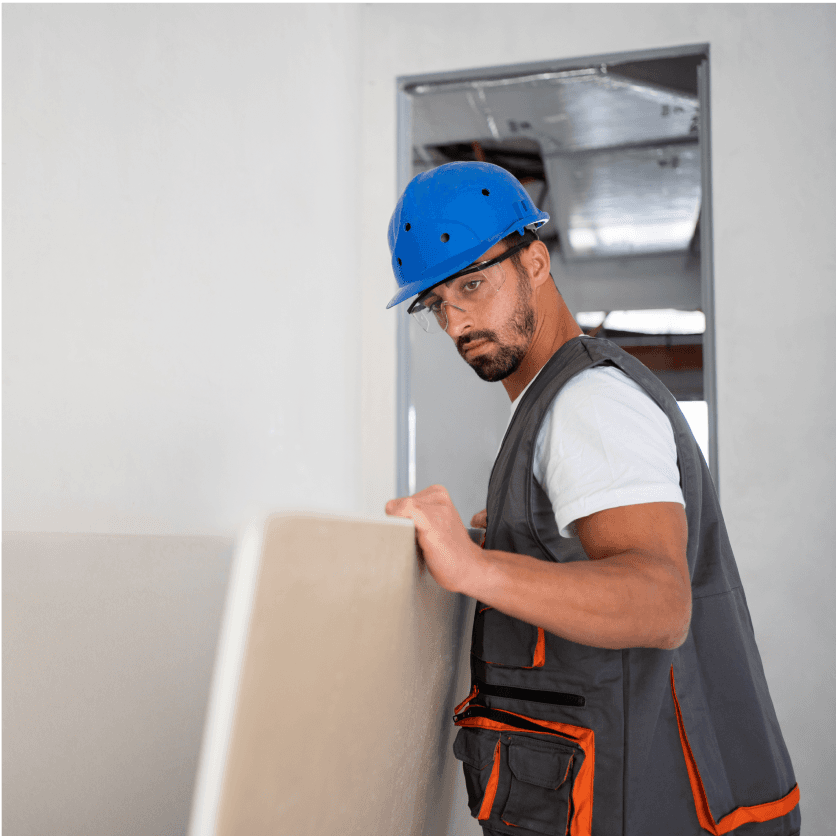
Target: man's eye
433	305
472	285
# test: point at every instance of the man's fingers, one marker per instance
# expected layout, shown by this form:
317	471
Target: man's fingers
405	506
409	509
402	507
480	520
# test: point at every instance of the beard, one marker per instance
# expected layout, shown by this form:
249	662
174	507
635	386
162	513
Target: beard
506	358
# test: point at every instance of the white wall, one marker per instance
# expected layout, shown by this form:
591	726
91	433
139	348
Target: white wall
181	344
773	97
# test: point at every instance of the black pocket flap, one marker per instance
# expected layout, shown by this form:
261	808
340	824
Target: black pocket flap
546	766
475	747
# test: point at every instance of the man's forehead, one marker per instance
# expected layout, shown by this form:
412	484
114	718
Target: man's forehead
496	250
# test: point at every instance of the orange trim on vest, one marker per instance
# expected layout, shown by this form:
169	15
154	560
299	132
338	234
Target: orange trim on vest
473	692
581	824
490	789
540	650
741	815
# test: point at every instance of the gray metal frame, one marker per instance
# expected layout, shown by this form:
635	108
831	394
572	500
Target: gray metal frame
405	428
709	354
405	417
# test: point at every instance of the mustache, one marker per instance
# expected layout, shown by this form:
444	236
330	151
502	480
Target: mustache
472	336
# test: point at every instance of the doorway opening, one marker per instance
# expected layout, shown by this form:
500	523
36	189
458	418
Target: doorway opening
616	149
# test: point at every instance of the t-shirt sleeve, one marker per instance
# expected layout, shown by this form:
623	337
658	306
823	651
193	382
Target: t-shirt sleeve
603	444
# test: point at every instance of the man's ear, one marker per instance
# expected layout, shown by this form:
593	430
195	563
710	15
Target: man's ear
537	261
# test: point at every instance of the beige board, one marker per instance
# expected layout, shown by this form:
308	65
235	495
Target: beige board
338	668
108	648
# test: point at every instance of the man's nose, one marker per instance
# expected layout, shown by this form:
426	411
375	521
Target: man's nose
458	320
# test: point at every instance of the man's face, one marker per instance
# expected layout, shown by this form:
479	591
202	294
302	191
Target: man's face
494	341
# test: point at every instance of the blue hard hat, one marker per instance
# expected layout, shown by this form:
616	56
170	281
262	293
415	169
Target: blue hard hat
446	218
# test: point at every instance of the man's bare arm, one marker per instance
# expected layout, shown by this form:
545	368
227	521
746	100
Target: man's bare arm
633	592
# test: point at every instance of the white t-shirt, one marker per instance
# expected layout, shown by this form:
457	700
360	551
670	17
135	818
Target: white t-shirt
604	443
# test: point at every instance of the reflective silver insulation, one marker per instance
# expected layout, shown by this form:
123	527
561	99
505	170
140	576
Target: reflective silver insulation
621	156
634	201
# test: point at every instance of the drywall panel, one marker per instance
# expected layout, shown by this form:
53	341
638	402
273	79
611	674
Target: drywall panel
332	698
108	646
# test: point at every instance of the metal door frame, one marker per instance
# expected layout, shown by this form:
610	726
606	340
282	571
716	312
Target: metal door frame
405	435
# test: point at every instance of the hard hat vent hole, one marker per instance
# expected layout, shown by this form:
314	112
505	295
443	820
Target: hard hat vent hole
485	192
444	237
408	227
400	263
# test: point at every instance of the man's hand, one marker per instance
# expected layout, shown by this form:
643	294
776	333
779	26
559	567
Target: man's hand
450	554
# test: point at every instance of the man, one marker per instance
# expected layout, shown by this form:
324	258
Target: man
617	686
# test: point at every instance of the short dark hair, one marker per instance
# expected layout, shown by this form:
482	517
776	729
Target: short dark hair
515	238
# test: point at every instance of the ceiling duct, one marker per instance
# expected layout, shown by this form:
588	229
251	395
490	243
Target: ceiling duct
635	201
621	156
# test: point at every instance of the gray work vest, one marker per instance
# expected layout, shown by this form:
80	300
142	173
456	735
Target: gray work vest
561	738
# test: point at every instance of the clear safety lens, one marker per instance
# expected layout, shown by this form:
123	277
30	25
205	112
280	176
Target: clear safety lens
465	294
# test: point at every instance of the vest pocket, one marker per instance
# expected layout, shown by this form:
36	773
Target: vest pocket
540	796
499	639
520	783
478	751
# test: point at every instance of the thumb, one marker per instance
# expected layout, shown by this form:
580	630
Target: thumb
480	520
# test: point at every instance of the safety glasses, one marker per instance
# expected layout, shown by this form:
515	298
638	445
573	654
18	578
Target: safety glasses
468	291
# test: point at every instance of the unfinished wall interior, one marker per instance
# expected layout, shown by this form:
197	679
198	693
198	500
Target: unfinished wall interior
195	273
614	149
